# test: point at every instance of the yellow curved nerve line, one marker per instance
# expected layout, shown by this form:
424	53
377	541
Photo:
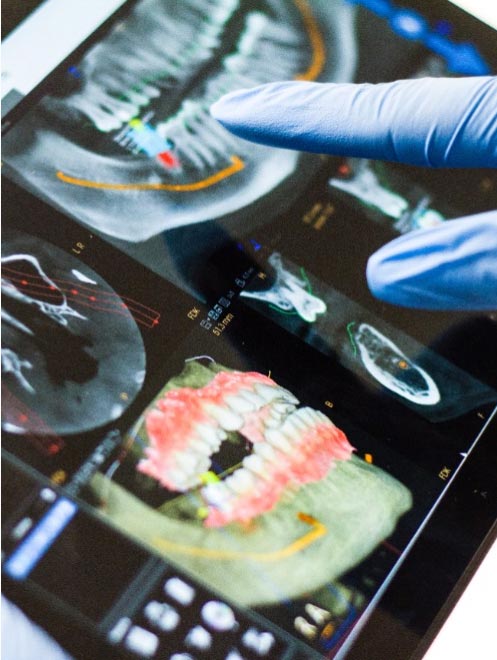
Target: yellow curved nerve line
317	42
318	530
237	164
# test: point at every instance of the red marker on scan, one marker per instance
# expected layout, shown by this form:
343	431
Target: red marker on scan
168	160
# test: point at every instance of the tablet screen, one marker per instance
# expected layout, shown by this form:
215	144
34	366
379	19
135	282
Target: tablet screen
189	343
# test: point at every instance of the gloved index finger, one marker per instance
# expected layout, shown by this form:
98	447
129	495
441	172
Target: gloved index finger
449	122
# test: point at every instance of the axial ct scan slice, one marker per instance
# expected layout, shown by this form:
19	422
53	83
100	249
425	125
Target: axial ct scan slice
65	332
250	488
129	147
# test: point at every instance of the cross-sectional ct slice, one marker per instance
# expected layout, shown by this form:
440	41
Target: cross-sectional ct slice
227	474
377	352
395	371
73	357
289	293
130	148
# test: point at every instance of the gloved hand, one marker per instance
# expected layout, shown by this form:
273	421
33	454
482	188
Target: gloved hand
434	122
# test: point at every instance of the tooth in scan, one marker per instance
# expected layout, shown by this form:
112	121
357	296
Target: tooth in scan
390	367
289	293
249	509
130	149
365	185
360	180
64	335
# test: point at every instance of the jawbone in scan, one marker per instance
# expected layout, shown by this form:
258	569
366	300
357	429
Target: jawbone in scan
64	335
364	343
289	293
368	183
255	488
131	149
390	367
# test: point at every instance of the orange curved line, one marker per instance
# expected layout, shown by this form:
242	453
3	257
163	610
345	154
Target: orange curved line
237	165
317	42
318	530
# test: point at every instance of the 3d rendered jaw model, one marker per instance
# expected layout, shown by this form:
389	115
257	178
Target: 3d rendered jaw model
131	148
295	513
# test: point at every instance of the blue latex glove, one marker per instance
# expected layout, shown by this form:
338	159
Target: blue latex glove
435	122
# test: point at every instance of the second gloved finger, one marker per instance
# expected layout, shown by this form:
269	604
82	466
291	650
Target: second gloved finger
450	267
448	122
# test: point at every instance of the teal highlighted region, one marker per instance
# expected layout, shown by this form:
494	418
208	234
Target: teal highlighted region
147	138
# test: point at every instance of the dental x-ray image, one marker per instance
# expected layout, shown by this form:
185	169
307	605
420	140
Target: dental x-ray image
371	348
229	475
373	186
73	357
128	146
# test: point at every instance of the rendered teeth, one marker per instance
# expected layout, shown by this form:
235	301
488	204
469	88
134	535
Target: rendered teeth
239	404
217	495
271	393
284	408
201	447
212	436
241	481
321	417
291	432
274	420
286	396
298	423
306	415
277	439
256	400
203	465
229	420
255	464
183	481
265	451
187	462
